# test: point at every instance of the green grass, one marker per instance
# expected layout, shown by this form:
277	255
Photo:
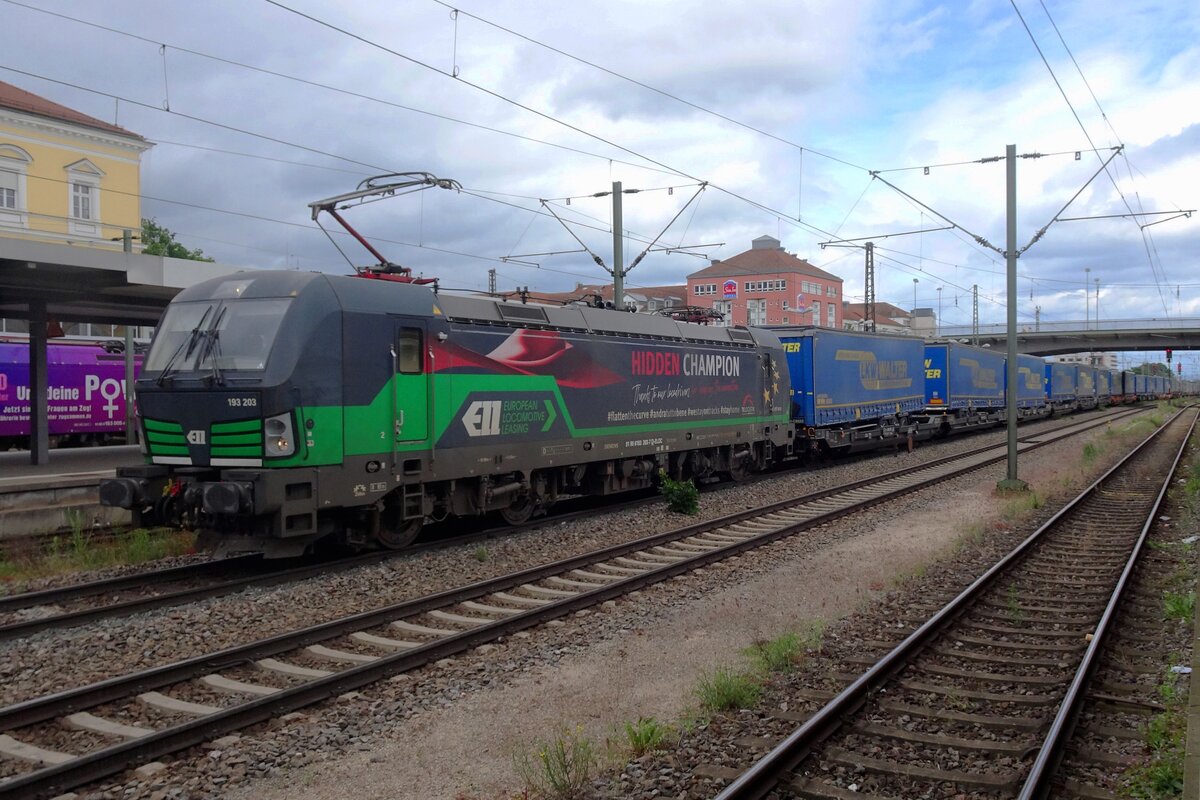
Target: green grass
1022	505
1162	777
79	551
777	655
1014	606
783	653
559	767
1179	605
1090	453
725	689
480	554
646	735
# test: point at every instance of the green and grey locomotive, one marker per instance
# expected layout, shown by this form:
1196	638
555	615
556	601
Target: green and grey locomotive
281	408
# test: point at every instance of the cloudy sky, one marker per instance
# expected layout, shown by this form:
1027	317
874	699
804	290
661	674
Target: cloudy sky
785	109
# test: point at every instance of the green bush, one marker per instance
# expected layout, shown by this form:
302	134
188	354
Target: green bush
682	496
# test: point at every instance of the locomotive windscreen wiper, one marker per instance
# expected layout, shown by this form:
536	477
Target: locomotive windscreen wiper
213	349
189	342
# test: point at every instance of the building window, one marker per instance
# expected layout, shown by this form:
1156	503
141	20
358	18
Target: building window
831	291
816	314
81	201
13	165
725	308
8	190
702	289
756	311
83	179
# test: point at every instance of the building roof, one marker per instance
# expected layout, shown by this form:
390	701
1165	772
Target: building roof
850	314
882	309
765	257
21	100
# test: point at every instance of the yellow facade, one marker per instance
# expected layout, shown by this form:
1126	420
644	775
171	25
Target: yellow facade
68	183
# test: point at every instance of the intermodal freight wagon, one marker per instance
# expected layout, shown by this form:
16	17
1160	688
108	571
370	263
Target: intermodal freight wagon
849	390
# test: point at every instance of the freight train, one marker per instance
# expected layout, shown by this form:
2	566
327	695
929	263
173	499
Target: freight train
85	381
282	408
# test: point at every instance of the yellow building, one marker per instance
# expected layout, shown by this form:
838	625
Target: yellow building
66	177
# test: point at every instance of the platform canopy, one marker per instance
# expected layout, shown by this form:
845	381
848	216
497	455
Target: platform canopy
86	284
40	281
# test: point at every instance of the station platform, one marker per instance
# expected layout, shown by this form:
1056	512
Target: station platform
43	498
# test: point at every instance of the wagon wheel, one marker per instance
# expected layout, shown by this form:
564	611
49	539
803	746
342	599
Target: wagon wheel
395	532
740	470
520	511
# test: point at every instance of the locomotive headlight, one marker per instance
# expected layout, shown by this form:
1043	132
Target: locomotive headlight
279	439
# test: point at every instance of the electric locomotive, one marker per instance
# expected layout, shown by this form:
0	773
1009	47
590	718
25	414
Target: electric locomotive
280	408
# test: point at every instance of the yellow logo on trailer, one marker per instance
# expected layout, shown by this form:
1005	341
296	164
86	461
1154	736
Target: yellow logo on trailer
877	375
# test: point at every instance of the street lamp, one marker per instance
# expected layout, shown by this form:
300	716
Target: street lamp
915	294
1097	304
939	319
1087	293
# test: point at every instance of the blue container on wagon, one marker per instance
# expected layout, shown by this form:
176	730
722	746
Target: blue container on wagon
1031	381
843	377
958	376
1103	386
1085	385
1060	382
1128	386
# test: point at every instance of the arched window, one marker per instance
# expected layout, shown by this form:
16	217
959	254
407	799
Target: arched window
14	164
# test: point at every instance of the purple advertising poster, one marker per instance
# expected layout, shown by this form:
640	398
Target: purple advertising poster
85	389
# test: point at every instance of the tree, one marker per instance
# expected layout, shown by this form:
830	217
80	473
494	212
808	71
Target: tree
157	240
1160	369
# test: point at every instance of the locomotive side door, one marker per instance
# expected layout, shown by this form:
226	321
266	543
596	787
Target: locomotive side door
410	399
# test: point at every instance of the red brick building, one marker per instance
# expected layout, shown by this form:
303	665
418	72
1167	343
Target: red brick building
766	285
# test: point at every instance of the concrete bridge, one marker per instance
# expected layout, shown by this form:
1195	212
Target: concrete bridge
1056	338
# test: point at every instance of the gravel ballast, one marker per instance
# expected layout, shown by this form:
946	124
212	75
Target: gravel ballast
452	728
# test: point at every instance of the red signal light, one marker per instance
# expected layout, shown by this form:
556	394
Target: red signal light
1168	355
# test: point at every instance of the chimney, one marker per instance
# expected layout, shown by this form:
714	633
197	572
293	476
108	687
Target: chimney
766	243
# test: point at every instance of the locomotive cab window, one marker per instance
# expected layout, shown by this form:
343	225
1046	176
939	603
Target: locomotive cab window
225	335
408	351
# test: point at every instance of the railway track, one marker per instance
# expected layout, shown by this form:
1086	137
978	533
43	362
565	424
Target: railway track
59	741
979	699
32	612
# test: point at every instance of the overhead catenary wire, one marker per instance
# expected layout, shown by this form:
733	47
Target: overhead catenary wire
648	87
767	209
325	86
773	212
1088	136
373	167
